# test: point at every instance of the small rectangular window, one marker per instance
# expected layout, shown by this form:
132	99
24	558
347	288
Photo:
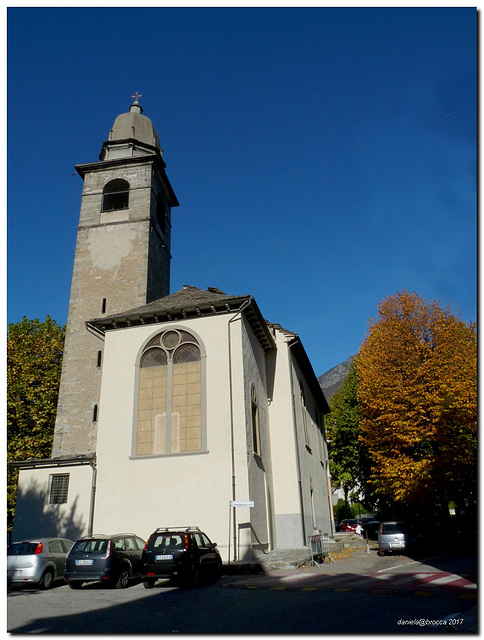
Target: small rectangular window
94	413
255	423
99	358
161	213
304	411
59	488
320	444
103	306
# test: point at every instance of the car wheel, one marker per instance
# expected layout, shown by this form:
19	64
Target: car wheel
381	553
47	579
123	580
77	584
194	576
148	584
218	569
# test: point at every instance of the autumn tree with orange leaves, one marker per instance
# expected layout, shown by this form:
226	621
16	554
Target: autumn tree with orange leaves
417	393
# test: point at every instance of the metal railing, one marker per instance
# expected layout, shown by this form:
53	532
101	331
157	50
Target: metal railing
318	545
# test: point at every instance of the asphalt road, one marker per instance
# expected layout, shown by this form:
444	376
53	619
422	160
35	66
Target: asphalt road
336	598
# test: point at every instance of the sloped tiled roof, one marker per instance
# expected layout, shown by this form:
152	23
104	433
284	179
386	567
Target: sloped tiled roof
189	302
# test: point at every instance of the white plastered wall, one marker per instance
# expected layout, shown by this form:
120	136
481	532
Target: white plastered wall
259	528
36	518
295	469
313	460
287	504
140	494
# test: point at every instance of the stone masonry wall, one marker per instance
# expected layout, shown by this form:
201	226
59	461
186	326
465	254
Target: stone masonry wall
110	275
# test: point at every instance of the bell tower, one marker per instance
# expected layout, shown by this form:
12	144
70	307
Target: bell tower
122	261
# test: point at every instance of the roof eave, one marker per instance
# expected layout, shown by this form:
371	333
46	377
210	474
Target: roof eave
251	312
101	165
307	368
36	463
156	158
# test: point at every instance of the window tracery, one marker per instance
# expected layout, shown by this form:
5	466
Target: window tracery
170	395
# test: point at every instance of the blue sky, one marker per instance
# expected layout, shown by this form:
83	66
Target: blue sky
324	159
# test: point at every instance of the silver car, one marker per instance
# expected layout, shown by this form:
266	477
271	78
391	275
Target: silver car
393	536
37	562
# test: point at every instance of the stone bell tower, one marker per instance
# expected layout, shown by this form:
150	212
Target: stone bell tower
122	261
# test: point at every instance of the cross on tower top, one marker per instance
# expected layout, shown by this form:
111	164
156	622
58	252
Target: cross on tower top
136	96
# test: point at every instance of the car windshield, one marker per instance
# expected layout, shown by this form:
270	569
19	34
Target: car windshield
89	546
169	541
22	548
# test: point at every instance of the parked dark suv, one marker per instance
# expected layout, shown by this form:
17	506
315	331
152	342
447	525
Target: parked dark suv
184	554
113	560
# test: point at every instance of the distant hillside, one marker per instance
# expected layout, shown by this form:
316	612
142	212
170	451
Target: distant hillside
332	380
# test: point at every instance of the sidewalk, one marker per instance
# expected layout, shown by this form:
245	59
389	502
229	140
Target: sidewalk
354	562
352	555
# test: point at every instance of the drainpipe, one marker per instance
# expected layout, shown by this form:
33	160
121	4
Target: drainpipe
298	462
232	436
330	499
93	497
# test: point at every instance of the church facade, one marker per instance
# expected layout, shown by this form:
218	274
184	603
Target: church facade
174	409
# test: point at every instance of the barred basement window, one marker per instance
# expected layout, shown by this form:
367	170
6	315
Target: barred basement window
59	488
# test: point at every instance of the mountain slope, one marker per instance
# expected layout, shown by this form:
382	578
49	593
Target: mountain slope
332	380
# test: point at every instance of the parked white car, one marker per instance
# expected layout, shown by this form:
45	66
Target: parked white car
393	537
38	561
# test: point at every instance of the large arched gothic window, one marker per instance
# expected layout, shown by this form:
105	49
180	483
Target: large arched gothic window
170	396
115	195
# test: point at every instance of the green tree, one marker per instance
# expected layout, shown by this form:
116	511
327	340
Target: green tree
343	510
347	456
34	362
417	392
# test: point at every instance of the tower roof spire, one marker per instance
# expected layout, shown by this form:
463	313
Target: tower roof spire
132	134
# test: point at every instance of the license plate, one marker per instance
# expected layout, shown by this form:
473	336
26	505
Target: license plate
84	563
165	557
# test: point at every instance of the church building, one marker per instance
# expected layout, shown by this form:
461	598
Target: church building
174	409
